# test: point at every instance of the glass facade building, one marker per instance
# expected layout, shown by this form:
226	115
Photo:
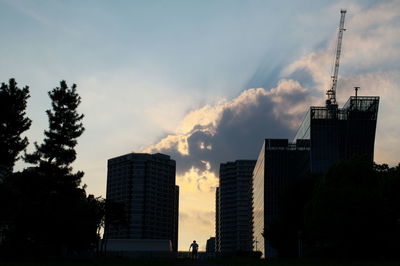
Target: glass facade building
145	185
278	164
234	231
258	202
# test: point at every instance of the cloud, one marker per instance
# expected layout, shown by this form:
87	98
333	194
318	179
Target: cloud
235	129
196	221
370	59
198	225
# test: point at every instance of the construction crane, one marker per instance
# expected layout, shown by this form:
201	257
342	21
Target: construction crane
331	93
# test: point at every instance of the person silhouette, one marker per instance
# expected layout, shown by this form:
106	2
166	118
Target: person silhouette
194	246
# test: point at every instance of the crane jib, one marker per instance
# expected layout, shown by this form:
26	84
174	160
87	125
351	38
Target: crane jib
331	93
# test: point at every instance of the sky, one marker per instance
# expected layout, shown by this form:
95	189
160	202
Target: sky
202	81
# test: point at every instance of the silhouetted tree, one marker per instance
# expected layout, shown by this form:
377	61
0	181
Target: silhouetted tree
68	217
57	152
352	210
47	211
13	122
344	217
114	216
388	239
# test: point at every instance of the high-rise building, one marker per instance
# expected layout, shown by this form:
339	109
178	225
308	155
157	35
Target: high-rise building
327	135
145	185
279	164
340	133
235	206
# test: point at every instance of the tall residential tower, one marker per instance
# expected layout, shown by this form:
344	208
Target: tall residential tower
234	231
145	185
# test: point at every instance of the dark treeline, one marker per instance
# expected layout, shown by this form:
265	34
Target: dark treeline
351	211
44	209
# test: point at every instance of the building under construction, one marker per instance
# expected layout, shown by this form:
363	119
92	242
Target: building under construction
340	133
327	135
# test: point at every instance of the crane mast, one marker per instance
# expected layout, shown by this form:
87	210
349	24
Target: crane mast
331	93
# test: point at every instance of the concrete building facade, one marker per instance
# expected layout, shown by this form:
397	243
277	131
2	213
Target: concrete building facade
234	230
145	185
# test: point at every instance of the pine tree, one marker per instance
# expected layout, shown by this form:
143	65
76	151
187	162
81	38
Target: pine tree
64	219
57	152
46	210
13	122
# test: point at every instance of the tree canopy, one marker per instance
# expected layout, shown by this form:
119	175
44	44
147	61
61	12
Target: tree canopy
352	210
44	210
57	152
13	122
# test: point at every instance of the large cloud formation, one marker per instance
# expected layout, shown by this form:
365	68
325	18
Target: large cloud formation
370	59
234	129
